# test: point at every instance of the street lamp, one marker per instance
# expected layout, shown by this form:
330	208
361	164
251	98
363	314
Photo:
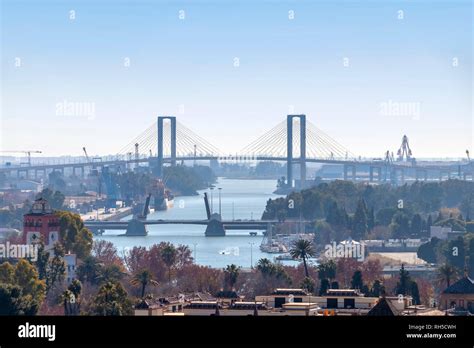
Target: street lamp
251	254
212	205
220	210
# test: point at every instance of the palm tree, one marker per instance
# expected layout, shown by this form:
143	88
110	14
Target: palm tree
265	266
446	272
143	278
231	274
168	255
112	273
303	249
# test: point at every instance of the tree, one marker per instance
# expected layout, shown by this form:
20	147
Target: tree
429	222
359	226
51	269
416	225
112	273
377	289
13	301
357	282
231	273
89	270
415	293
168	255
403	285
327	270
400	225
265	266
302	249
71	298
55	199
446	273
371	219
308	284
143	278
26	276
106	252
455	253
324	287
7	272
471	258
384	216
21	290
112	299
57	267
427	251
183	256
74	236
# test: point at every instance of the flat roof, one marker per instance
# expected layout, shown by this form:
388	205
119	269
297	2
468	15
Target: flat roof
300	304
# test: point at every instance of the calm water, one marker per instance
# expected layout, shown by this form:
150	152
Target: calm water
240	199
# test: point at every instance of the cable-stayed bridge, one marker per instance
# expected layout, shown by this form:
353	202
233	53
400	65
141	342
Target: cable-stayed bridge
295	141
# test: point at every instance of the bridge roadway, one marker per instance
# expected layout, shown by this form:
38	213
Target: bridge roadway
228	224
351	162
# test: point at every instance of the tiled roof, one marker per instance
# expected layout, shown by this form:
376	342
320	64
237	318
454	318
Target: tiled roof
462	286
383	308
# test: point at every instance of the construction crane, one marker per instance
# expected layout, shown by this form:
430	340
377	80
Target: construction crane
28	154
404	151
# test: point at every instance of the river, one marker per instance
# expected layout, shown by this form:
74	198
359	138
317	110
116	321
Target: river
240	199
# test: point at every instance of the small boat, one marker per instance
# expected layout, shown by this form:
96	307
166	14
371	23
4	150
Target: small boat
253	234
284	257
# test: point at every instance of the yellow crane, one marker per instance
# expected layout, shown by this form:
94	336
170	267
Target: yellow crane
27	152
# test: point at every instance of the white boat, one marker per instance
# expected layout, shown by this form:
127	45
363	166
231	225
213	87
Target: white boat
284	257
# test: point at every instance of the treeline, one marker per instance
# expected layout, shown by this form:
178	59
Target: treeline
457	253
421	197
187	180
343	209
26	286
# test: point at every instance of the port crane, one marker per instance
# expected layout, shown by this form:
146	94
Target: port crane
404	151
27	153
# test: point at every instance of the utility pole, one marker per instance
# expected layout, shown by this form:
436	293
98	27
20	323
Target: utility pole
195	147
195	244
212	204
251	254
220	210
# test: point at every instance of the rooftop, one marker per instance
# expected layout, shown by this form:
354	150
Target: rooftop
281	291
462	286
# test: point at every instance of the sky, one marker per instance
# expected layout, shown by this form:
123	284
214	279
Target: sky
365	72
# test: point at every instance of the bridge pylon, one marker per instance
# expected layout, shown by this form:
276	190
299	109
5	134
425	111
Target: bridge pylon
160	123
289	150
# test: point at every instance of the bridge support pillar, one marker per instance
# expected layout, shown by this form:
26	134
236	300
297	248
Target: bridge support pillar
161	119
289	149
353	172
136	227
215	228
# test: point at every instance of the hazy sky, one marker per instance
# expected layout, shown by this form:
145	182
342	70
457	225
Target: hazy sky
362	71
